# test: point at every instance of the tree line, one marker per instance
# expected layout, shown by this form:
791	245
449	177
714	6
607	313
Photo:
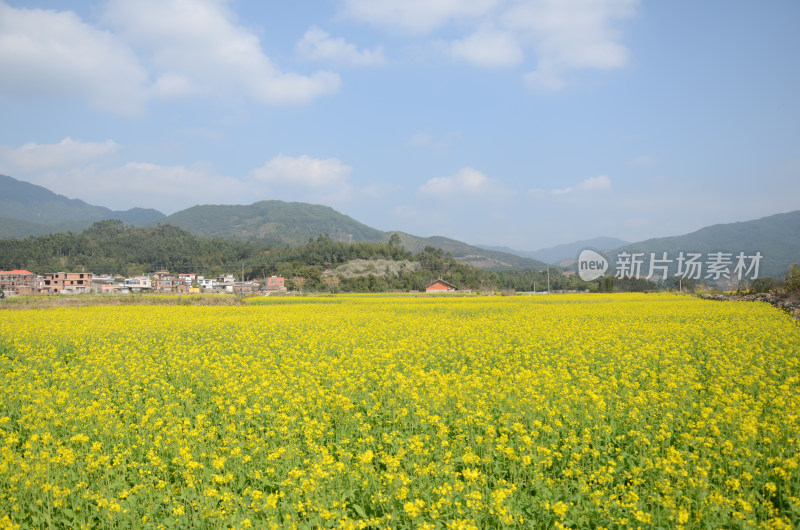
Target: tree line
111	247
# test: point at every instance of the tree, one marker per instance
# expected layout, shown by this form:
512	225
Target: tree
332	282
792	283
299	282
762	285
606	284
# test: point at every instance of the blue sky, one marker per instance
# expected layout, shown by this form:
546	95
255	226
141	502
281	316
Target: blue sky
505	122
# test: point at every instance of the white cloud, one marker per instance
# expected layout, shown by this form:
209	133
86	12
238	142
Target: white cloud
49	54
318	45
142	184
172	188
303	172
569	35
547	78
199	46
165	183
565	35
594	184
165	188
68	153
598	183
467	181
86	170
171	86
420	139
416	16
152	49
317	179
488	47
562	191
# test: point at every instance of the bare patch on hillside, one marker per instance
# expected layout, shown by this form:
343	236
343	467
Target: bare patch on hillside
381	268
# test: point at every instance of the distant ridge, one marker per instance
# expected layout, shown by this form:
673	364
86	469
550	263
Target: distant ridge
567	251
471	255
776	237
28	209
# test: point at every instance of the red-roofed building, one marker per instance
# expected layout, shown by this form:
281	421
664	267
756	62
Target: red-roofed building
440	286
17	281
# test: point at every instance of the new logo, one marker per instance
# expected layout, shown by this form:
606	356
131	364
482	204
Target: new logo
591	265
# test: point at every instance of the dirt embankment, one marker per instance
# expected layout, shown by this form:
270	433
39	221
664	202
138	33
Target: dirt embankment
85	300
785	303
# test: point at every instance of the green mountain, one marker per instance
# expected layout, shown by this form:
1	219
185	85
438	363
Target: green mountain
14	228
776	237
290	223
294	223
28	209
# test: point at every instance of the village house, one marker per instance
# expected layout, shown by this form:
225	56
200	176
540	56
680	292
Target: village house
246	287
21	282
275	283
100	283
17	282
67	283
208	284
226	283
440	286
138	283
188	279
163	281
114	288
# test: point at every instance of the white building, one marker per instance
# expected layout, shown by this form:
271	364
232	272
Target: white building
138	283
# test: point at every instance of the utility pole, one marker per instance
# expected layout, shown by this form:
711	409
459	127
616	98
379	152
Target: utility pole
548	279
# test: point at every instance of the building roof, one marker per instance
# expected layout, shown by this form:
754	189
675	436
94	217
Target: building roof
18	272
440	281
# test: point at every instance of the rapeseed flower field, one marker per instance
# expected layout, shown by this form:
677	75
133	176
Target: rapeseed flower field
587	411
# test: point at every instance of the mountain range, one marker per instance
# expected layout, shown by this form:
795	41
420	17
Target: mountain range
27	209
294	223
776	238
566	252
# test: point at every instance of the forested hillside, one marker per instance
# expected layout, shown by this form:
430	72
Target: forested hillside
110	247
277	222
